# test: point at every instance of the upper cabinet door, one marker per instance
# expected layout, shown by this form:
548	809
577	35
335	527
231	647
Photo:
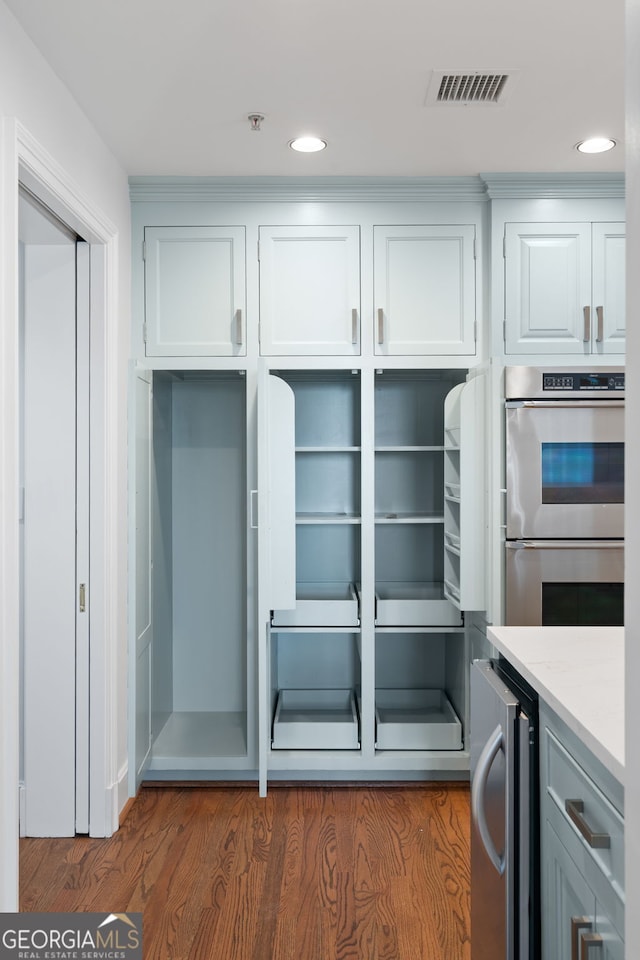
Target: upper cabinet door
548	287
310	291
565	288
195	291
424	290
608	325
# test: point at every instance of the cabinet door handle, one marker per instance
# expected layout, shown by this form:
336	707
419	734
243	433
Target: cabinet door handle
253	509
577	925
575	809
600	332
354	326
586	335
239	330
590	942
380	325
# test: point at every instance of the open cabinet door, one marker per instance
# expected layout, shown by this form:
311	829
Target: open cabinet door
141	577
465	495
276	532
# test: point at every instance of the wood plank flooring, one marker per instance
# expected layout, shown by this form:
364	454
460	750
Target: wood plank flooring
373	872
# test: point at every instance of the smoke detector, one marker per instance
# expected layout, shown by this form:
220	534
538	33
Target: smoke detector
469	88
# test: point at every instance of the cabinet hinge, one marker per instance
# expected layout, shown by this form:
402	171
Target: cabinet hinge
144	249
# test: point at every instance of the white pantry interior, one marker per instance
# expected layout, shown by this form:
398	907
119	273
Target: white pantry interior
366	656
193	710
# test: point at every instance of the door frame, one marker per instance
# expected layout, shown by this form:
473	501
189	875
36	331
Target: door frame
24	160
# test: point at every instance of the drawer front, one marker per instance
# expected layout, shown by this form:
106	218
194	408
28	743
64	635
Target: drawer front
586	810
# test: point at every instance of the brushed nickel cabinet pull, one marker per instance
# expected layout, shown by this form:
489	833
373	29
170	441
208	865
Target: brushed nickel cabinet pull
600	332
354	326
82	599
575	809
380	325
577	925
590	942
239	330
586	335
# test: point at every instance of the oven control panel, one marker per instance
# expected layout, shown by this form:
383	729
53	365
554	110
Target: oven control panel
580	382
566	383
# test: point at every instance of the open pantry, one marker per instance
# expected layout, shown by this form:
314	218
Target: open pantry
367	658
357	662
420	690
409	498
314	679
327	455
194	711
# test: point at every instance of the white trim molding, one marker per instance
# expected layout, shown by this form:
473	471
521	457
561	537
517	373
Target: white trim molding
486	186
121	791
9	518
306	189
568	186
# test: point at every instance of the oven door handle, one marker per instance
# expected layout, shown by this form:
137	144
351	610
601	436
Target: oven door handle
569	404
564	544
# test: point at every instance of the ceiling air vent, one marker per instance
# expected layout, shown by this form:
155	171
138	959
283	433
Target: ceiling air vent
467	88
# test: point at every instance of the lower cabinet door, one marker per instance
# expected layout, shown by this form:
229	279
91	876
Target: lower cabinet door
612	943
575	925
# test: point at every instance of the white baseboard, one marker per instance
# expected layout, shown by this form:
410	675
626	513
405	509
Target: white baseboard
122	795
22	808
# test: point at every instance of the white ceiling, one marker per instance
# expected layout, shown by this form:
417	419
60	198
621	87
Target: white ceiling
169	84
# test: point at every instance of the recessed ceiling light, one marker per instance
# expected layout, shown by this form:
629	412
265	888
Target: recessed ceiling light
307	144
596	145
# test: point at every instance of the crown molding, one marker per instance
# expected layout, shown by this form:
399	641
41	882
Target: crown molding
553	185
312	189
486	186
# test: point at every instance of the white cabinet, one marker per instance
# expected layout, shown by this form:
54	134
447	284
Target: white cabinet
195	291
424	290
369	624
465	420
564	288
608	290
309	290
409	498
363	654
318	432
194	681
582	850
579	923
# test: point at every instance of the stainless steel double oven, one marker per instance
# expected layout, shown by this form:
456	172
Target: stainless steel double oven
565	496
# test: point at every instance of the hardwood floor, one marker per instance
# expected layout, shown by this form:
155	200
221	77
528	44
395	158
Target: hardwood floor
373	872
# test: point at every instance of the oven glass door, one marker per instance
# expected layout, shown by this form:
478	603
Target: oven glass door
565	469
563	583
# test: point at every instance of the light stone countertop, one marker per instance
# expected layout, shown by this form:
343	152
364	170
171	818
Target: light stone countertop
579	673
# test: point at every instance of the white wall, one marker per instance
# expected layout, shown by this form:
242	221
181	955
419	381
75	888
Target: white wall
632	505
34	101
